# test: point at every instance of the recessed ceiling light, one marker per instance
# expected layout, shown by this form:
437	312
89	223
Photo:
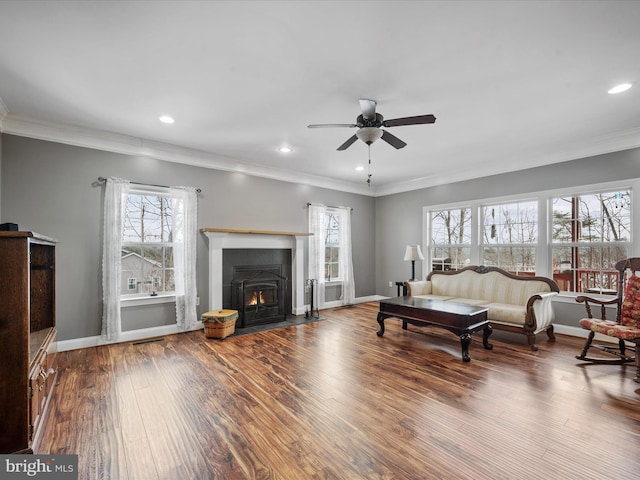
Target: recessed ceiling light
359	168
285	149
623	87
166	119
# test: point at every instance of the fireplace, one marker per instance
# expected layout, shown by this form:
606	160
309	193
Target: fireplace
222	240
256	283
258	293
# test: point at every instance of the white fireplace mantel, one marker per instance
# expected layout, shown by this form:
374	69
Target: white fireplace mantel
221	238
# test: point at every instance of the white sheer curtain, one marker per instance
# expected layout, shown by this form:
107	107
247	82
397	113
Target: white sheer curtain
317	215
346	258
185	228
115	198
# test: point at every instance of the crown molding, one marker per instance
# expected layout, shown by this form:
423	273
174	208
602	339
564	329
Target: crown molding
614	142
127	145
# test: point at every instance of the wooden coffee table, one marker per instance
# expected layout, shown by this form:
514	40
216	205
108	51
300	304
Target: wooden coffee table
459	318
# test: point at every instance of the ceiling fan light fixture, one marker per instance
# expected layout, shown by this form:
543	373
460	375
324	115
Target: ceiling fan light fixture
369	134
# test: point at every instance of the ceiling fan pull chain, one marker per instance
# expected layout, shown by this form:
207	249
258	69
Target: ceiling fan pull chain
369	176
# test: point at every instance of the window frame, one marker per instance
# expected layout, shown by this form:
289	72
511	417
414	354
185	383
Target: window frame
483	246
576	243
144	298
335	213
544	244
429	257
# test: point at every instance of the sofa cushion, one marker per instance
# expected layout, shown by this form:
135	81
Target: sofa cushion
507	313
420	287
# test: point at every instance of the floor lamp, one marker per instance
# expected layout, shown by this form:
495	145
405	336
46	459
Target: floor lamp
413	253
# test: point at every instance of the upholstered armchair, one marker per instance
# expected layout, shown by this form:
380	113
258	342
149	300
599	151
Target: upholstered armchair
625	328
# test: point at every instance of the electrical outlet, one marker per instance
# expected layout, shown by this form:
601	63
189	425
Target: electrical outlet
390	284
197	301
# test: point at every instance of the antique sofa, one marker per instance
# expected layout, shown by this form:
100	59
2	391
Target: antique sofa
515	303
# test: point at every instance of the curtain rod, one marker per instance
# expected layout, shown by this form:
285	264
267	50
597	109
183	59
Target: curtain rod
102	180
329	206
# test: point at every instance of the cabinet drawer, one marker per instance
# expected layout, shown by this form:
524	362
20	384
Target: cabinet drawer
41	380
37	393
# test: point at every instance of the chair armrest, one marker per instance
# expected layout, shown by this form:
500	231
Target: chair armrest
421	287
588	300
584	299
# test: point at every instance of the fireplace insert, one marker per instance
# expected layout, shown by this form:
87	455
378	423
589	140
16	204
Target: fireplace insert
258	294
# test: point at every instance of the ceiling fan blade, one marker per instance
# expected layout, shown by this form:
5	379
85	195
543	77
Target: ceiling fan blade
348	143
393	140
368	108
420	119
332	125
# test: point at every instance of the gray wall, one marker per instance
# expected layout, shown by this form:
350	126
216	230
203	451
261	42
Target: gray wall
399	217
50	188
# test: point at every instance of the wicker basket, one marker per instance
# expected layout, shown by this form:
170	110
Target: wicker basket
219	323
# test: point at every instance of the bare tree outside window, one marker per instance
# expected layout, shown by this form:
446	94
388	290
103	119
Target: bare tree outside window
587	234
450	238
510	236
332	246
147	248
590	233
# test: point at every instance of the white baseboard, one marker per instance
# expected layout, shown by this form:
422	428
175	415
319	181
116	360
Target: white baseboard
129	336
145	333
338	303
582	333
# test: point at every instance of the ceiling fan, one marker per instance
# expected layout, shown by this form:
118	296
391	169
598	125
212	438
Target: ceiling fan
369	123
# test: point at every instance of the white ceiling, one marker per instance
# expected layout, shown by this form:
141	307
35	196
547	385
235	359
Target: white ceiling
513	84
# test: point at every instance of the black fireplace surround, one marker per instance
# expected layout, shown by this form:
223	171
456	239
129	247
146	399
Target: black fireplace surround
257	283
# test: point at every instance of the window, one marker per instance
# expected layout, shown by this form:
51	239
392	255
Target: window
574	237
331	246
590	233
149	235
510	236
450	247
147	245
330	258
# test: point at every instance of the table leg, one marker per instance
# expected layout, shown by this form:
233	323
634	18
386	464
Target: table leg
381	318
465	341
486	331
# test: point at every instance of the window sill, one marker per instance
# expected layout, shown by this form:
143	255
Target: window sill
330	283
146	300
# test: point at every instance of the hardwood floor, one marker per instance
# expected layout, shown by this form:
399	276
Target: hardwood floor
331	400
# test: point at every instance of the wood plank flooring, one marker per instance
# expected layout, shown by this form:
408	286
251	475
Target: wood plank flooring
331	400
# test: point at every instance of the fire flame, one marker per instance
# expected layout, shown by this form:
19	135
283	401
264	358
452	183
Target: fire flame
254	298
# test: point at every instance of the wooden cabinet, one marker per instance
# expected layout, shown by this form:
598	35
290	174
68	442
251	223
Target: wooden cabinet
27	336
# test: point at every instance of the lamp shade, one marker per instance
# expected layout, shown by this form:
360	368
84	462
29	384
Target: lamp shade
413	252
